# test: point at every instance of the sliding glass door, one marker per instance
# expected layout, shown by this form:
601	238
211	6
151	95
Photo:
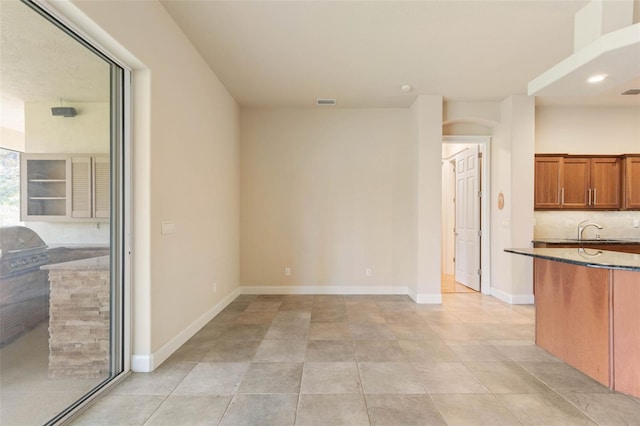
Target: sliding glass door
62	259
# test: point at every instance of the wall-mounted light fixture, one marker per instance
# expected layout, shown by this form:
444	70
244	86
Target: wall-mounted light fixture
63	112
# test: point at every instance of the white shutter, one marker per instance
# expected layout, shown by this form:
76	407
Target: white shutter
102	187
80	186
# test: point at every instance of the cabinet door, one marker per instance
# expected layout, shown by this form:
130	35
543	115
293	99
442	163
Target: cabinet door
632	183
605	183
575	183
81	187
101	187
548	177
45	186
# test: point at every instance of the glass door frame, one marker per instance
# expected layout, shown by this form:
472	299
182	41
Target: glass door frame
120	238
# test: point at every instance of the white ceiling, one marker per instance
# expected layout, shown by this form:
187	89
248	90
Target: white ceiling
39	62
288	53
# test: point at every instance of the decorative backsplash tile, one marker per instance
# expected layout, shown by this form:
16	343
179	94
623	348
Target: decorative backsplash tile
564	224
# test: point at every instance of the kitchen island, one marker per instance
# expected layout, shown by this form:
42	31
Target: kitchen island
588	311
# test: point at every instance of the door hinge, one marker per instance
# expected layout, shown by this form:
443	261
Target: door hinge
479	194
479	271
479	232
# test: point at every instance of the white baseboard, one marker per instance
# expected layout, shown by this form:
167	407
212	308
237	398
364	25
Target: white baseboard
319	289
354	289
425	298
512	299
145	363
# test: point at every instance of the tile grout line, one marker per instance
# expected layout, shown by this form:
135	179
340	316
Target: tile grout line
559	394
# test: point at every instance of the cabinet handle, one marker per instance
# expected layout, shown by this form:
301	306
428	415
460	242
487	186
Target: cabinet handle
562	197
594	196
589	202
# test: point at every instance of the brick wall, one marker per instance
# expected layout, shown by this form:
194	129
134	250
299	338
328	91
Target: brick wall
79	318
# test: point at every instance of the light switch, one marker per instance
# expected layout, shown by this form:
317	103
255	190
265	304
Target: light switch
168	227
636	223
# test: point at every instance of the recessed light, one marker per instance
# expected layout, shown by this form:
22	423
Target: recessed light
597	78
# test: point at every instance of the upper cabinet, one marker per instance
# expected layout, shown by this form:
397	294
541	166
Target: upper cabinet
578	182
548	182
65	188
631	181
605	183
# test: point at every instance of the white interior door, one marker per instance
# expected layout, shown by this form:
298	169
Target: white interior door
468	218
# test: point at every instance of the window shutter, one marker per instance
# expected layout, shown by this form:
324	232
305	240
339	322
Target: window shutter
102	180
81	187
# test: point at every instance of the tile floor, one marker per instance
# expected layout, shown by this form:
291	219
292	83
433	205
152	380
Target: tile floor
364	360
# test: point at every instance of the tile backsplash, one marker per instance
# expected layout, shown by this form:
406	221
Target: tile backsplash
564	224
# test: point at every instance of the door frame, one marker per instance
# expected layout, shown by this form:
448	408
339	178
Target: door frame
485	205
121	168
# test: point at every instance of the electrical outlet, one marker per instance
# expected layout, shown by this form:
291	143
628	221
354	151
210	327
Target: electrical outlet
215	287
636	223
287	271
367	272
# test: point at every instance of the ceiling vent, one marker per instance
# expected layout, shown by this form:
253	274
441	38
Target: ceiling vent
631	92
320	101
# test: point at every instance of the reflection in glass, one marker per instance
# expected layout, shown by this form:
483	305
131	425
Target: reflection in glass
56	288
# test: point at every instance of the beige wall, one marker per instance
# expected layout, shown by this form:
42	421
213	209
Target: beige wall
427	112
320	191
12	139
186	170
587	130
512	148
86	133
470	118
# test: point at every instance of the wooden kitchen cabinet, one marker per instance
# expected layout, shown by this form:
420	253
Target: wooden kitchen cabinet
577	182
65	188
548	182
605	183
631	182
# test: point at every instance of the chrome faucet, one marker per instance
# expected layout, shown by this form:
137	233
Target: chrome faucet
584	225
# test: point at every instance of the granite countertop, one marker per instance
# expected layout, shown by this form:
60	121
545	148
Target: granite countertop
592	258
92	263
586	242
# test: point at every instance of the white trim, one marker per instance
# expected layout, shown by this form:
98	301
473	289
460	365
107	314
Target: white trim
142	363
145	363
513	299
435	298
127	221
319	289
425	298
71	16
485	242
